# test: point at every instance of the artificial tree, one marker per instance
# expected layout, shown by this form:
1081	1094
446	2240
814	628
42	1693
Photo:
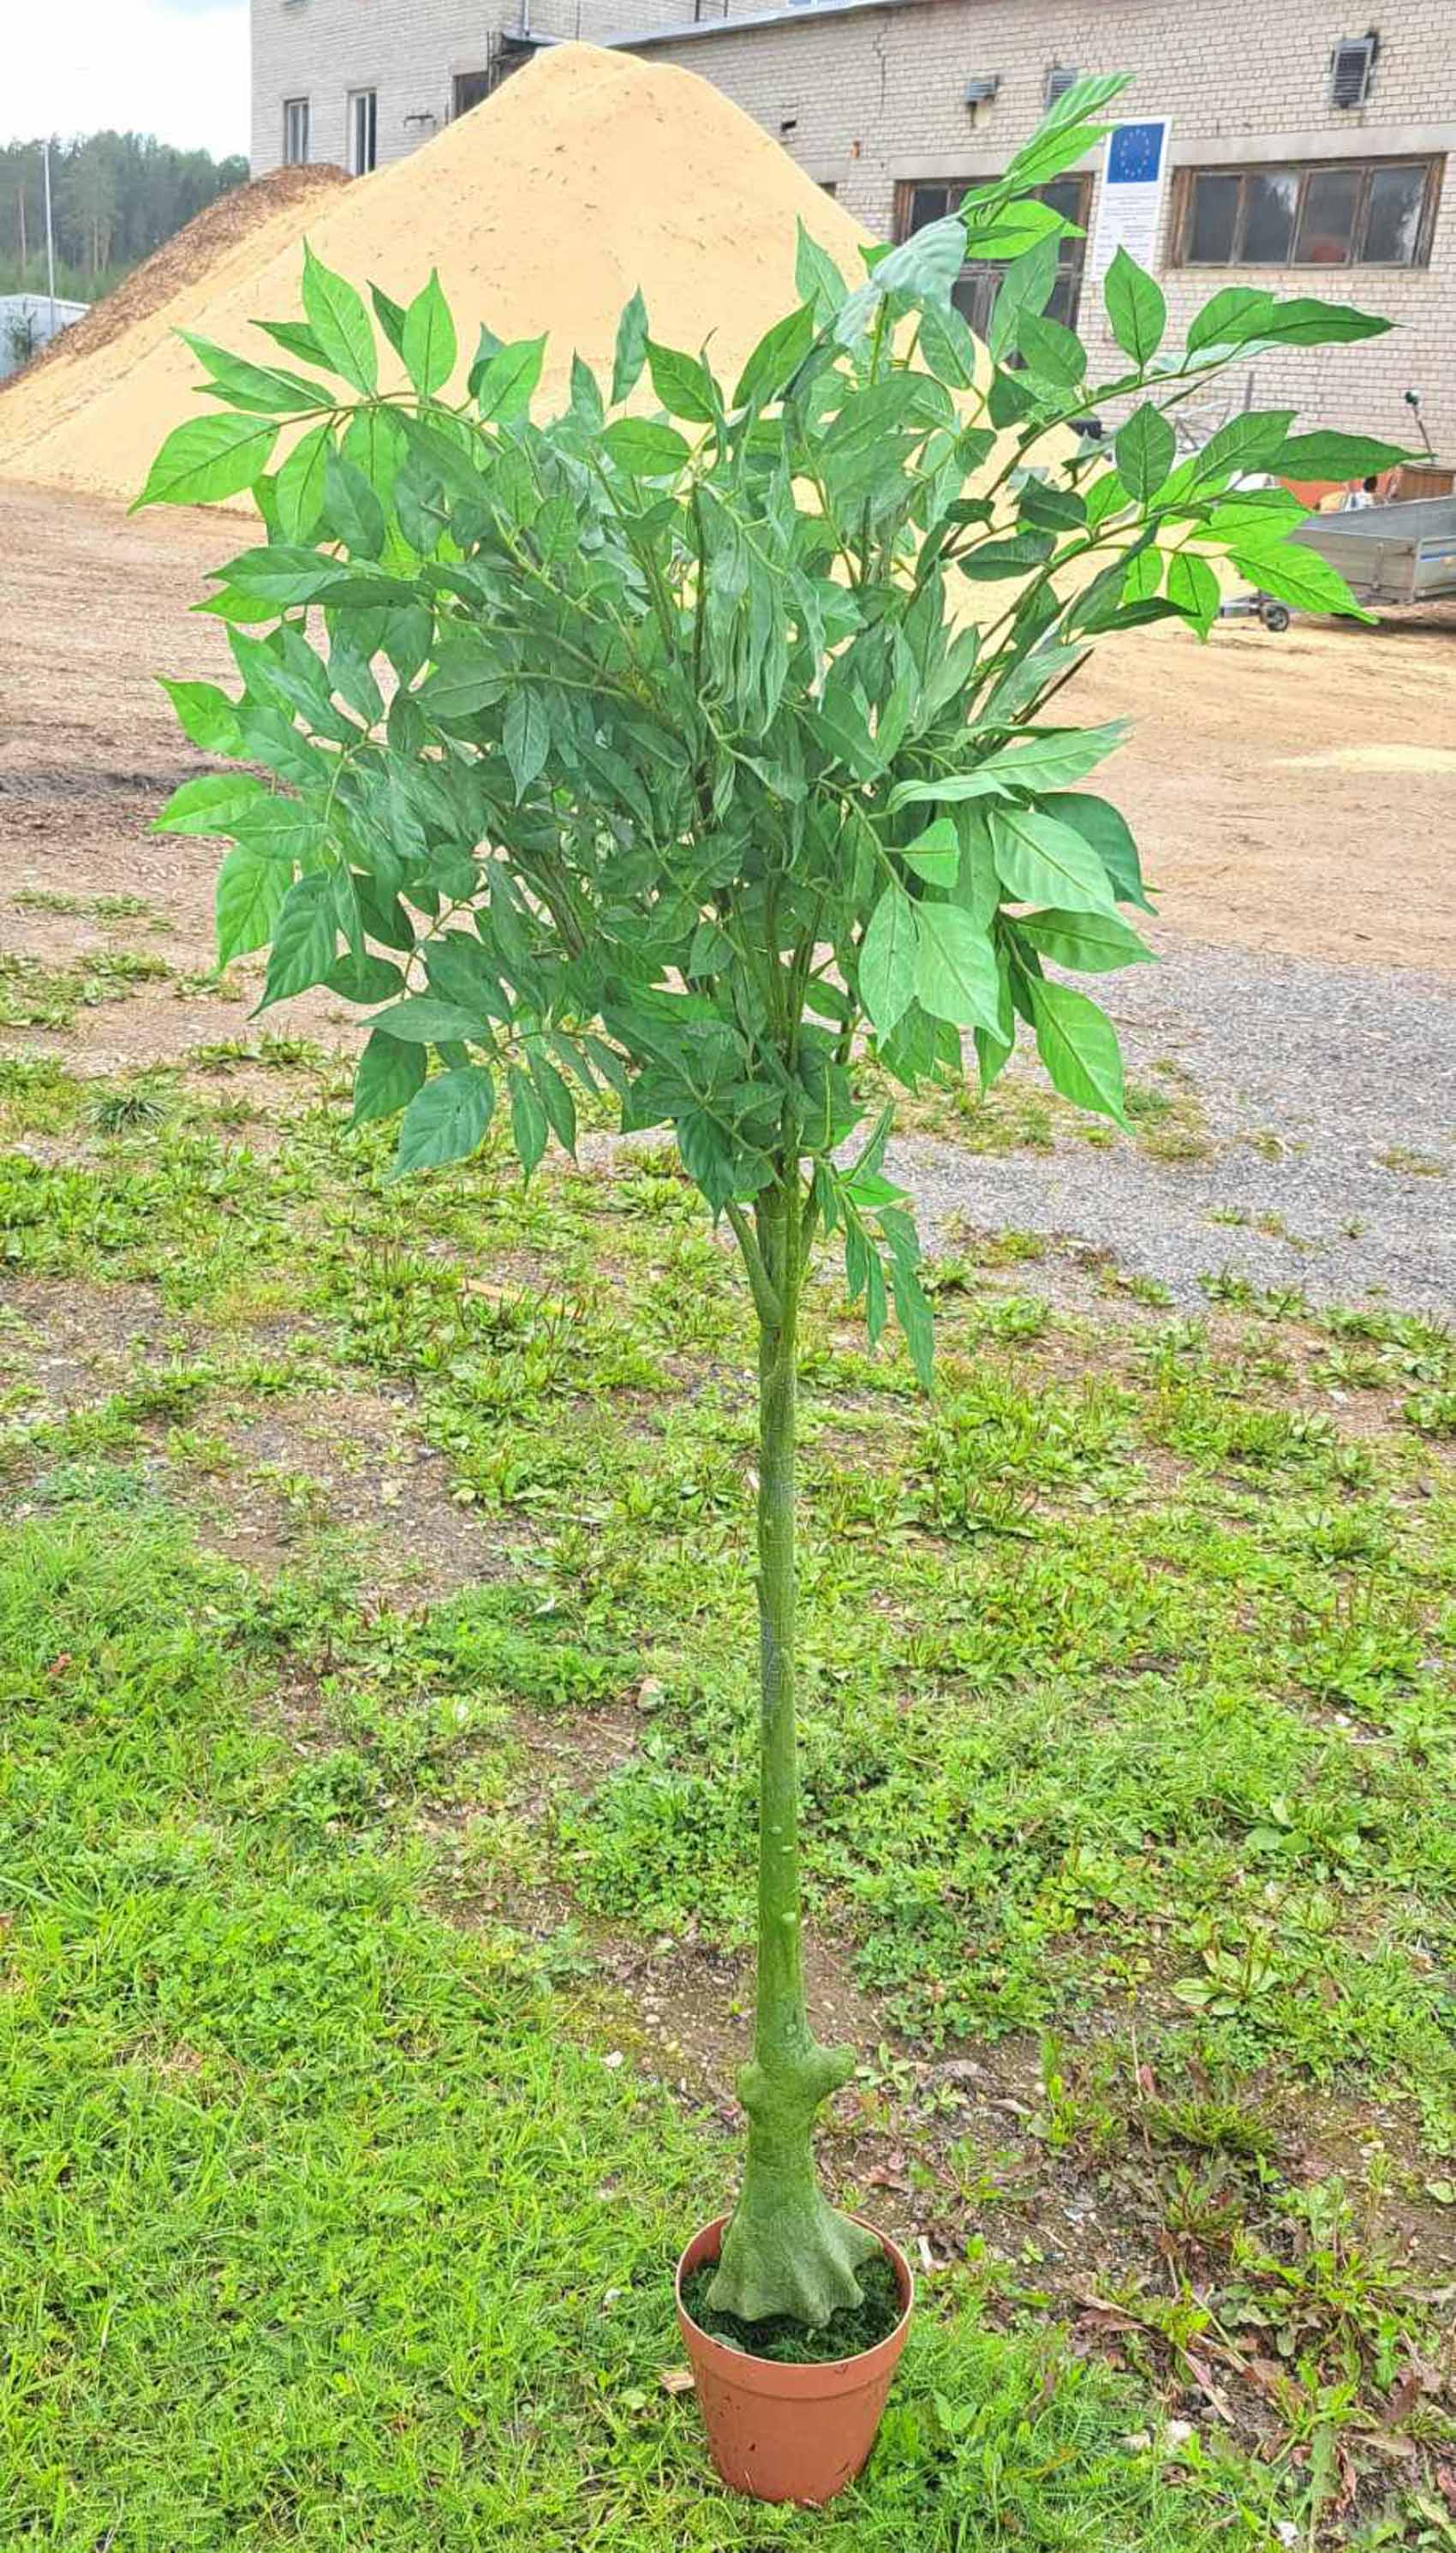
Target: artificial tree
710	743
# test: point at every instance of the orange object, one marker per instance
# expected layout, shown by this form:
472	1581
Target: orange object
796	2433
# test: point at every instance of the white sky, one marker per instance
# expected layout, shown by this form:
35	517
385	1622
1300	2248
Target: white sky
177	69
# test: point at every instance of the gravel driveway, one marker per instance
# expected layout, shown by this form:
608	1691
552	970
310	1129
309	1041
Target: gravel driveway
1330	1100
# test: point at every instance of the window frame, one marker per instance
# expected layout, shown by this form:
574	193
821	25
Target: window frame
360	97
485	76
1071	251
292	107
1185	183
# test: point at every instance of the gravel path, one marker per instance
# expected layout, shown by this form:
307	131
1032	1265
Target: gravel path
1323	1088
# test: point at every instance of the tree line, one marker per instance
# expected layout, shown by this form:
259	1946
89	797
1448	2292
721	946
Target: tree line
115	198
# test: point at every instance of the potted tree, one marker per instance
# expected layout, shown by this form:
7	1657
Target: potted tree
661	755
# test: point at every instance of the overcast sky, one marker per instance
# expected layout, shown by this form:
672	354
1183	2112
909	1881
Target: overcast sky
177	69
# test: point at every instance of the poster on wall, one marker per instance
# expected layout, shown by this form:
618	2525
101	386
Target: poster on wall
1134	183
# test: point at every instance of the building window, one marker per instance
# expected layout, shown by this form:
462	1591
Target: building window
1333	212
295	132
920	201
469	89
363	130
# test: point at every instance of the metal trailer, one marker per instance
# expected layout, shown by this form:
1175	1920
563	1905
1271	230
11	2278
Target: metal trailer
1386	554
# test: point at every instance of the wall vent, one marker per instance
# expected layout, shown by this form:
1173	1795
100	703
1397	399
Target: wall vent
1350	67
1058	82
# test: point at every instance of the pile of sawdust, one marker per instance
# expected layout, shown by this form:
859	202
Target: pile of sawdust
586	174
193	255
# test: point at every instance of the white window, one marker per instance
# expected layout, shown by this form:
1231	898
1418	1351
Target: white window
295	132
363	128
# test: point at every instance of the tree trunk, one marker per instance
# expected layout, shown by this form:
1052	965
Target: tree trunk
786	2249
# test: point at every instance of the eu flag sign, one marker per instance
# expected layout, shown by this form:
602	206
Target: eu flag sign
1130	208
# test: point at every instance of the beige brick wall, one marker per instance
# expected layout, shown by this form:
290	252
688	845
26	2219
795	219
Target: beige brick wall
869	97
878	95
407	51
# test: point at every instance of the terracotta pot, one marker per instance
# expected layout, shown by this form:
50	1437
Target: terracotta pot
789	2432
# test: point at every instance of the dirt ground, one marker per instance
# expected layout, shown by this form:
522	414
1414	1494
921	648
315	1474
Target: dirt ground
1292	795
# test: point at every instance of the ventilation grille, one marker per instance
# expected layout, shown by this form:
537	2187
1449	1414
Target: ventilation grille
1058	82
1350	67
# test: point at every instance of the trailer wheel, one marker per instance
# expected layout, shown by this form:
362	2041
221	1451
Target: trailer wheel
1274	616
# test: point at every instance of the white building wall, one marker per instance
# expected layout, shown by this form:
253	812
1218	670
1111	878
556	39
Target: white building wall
868	98
407	51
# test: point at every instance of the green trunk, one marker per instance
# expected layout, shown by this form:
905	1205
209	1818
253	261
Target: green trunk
786	2249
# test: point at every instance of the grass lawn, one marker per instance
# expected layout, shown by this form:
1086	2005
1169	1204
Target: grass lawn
375	1651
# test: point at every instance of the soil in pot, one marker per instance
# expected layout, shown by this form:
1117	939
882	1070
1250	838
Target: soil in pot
788	2343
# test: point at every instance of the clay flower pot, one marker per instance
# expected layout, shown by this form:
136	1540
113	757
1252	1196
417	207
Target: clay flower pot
789	2432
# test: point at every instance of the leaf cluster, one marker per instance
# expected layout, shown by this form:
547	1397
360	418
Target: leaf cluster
671	747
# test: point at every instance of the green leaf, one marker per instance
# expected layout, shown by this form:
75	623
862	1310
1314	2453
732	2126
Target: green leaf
630	349
257	387
1046	760
527	737
392	317
421	1020
956	973
935	854
206	716
360	976
1136	309
1104	831
1086	944
1052	353
1193	588
1144	450
250	888
528	1120
428	341
775	358
353	512
1338	456
817	279
466	677
1308	322
1230	316
306	937
1018	554
506	387
446	1121
555	1093
388	1075
912	1310
1295	575
646	448
341	324
1025	290
683	385
1078	1046
207	459
1144	575
926	265
298	489
887	959
210	805
1042	861
296	339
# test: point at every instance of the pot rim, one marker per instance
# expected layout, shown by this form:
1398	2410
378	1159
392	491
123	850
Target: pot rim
742	2358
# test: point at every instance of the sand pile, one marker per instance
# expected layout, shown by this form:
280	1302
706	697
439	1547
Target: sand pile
586	174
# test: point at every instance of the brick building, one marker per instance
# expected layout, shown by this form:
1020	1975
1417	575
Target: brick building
1307	150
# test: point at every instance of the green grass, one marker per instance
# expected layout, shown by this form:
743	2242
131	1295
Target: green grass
34	995
324	2225
1129	1746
